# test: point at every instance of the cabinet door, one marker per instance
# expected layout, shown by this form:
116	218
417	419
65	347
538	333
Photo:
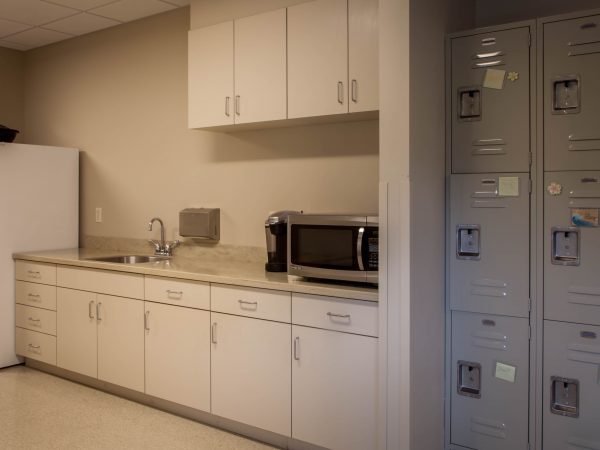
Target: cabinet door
178	354
121	341
250	372
318	58
210	76
260	67
76	348
334	390
363	55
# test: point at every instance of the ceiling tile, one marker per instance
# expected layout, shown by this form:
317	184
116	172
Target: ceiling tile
36	37
14	46
9	27
33	12
81	24
128	10
82	5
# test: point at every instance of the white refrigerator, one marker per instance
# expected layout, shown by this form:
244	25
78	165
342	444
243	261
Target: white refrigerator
39	210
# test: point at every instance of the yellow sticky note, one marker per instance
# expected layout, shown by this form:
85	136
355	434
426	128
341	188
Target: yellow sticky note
505	372
508	186
494	79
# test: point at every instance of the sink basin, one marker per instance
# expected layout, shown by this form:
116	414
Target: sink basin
129	259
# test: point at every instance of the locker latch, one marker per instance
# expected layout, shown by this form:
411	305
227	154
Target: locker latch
566	95
564	396
469	103
468	241
469	379
565	246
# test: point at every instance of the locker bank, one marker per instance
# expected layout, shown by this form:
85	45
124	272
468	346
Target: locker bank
523	235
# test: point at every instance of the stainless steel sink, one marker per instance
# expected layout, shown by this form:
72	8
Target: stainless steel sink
129	259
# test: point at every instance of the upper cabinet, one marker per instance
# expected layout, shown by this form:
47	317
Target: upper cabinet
314	59
237	71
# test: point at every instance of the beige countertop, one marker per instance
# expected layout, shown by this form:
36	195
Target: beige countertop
249	274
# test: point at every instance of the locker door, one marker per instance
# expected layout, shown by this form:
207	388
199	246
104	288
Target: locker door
489	269
571	386
490	102
572	247
490	380
572	94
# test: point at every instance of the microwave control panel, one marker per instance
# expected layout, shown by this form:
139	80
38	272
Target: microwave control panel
372	236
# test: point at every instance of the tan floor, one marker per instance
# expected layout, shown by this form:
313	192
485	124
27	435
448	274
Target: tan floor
40	411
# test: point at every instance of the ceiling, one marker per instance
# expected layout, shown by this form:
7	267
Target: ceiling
26	24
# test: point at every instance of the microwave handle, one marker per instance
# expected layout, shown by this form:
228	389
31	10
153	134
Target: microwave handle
359	242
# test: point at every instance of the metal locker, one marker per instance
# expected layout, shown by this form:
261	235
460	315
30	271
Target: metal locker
572	247
572	94
490	102
489	268
490	381
571	386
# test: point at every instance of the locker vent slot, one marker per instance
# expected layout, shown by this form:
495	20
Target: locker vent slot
564	396
576	443
488	64
565	246
584	48
469	379
488	427
488	55
486	42
566	94
491	203
589	354
490	340
583	144
483	147
584	295
469	104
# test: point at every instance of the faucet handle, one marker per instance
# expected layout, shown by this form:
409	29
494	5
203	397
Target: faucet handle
170	245
157	246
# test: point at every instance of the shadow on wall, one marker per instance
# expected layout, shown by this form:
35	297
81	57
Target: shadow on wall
326	140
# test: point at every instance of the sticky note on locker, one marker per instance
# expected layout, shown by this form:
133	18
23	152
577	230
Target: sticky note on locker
508	186
494	79
505	372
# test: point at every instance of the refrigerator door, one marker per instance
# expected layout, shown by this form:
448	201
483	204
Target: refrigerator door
39	201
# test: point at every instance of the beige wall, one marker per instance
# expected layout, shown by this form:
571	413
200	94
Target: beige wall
494	12
121	96
11	90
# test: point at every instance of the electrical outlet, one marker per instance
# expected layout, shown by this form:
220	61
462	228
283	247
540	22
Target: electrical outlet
98	215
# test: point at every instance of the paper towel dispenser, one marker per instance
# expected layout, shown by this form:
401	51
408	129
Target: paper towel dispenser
200	223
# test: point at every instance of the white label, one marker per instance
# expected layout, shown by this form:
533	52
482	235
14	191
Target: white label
505	372
508	186
494	79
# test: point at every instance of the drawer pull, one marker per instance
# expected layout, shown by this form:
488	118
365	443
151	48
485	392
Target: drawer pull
91	310
171	293
296	345
249	305
339	316
33	295
213	333
34	274
31	319
35	347
146	321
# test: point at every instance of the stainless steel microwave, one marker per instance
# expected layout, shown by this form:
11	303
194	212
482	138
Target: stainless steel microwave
336	247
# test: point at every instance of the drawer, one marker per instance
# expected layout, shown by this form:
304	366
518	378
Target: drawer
36	319
193	294
35	272
34	345
34	294
330	313
102	281
250	302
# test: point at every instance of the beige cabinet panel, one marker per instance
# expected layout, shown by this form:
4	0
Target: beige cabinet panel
34	294
178	354
317	58
363	55
35	272
103	281
210	76
251	302
334	393
260	67
34	345
35	319
76	343
250	372
121	341
193	294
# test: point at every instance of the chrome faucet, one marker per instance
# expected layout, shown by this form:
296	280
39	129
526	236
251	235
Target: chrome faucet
162	247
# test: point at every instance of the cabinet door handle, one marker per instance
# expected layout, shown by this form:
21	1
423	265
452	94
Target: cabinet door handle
147	321
296	345
354	91
31	319
227	106
340	316
213	333
237	105
91	310
98	318
340	92
34	346
252	305
34	274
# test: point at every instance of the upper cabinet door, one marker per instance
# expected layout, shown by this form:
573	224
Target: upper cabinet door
363	59
210	76
260	67
318	58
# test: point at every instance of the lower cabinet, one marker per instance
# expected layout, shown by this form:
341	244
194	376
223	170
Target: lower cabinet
178	354
251	372
334	389
101	336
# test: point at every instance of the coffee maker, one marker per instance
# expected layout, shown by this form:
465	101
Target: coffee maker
276	233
